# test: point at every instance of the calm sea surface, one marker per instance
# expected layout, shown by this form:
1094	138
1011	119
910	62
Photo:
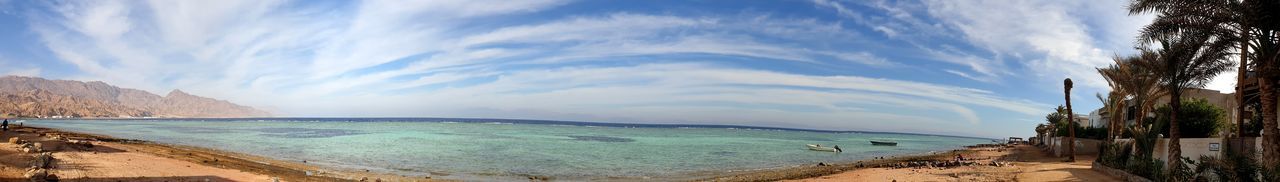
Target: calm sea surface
477	149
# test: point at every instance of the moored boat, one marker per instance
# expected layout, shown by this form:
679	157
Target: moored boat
821	148
884	143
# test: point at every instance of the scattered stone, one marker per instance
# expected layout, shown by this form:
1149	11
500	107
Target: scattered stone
29	147
539	178
43	161
80	142
364	178
14	140
40	175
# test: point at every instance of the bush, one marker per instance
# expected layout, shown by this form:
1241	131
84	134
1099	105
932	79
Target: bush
1253	128
1082	132
1271	173
1146	167
1144	140
1182	171
1197	119
1231	166
1114	154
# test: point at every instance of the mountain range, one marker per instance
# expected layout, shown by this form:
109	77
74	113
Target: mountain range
38	97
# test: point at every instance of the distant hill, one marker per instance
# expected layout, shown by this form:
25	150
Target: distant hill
37	97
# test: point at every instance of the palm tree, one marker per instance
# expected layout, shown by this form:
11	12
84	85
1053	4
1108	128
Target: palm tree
1254	24
1110	103
1188	59
1071	118
1134	82
1264	38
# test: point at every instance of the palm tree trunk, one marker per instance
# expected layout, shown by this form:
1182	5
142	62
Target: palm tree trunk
1116	123
1071	127
1141	115
1271	139
1268	97
1175	149
1240	75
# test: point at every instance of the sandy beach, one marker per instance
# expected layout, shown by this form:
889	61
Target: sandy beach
82	157
990	163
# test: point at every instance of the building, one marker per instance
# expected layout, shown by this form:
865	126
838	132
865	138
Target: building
1098	118
1226	102
1083	120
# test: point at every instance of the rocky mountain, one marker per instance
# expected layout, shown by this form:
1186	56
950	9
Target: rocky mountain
38	97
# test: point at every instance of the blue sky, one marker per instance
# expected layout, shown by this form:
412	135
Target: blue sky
974	68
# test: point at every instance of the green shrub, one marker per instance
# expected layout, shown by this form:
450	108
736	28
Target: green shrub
1271	173
1197	119
1235	166
1146	167
1181	171
1211	168
1144	140
1114	154
1082	132
1253	128
1231	166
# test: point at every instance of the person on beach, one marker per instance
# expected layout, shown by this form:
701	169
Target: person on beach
5	125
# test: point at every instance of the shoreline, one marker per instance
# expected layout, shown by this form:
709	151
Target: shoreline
61	142
814	170
291	170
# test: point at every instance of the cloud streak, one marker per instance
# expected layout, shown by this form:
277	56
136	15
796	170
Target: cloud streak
868	65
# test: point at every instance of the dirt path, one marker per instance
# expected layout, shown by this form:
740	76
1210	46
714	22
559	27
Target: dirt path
1024	163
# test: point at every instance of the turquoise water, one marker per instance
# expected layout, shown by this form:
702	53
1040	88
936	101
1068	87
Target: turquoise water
471	150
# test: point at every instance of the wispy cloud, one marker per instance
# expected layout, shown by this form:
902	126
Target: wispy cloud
931	66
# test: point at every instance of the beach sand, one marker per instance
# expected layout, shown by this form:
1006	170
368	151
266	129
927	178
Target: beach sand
1017	163
111	159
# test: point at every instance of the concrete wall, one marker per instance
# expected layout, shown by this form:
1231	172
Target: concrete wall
1195	147
1191	148
1057	146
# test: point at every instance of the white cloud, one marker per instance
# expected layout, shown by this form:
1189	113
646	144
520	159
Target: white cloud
1048	37
1052	39
376	58
887	31
698	93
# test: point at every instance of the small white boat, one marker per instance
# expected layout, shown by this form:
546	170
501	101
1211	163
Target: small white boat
821	148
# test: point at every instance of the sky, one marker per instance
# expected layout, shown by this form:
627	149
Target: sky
973	68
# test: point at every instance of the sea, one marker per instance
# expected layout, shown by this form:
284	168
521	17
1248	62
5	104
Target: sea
506	149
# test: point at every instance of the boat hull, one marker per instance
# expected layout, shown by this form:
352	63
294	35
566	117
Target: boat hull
824	149
884	143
